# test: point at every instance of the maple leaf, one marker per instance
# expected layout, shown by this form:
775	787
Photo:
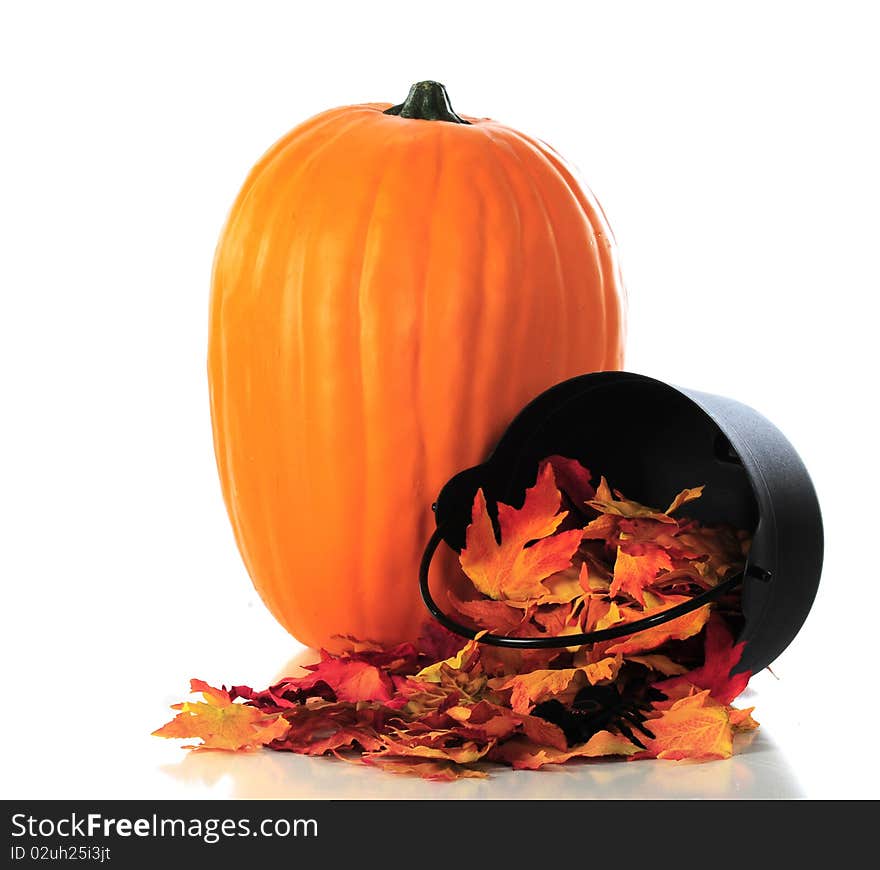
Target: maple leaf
604	670
742	720
498	616
528	690
392	660
406	746
485	724
318	726
564	586
543	733
555	619
660	663
483	721
438	771
572	478
439	707
322	740
606	527
722	655
694	727
611	617
638	532
436	642
714	549
680	628
422	699
607	503
524	755
509	569
222	724
346	644
498	661
461	661
632	573
279	697
350	679
684	497
598	613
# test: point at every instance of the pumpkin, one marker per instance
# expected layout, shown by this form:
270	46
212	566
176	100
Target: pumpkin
393	283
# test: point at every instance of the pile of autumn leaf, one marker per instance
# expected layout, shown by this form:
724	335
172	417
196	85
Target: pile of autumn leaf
572	559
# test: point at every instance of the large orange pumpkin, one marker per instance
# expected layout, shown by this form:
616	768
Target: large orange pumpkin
392	285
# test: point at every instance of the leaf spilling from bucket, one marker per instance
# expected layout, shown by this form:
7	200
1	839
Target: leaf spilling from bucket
574	558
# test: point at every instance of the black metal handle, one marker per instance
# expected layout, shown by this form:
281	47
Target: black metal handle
564	640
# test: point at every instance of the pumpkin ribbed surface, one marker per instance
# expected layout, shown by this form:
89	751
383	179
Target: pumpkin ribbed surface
387	293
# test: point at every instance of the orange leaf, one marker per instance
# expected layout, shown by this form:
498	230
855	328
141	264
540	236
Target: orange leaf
633	573
524	755
660	663
439	771
484	721
510	569
543	733
680	628
532	688
221	724
693	727
742	720
497	616
563	684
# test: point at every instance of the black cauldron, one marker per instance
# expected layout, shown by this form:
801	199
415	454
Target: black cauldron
651	440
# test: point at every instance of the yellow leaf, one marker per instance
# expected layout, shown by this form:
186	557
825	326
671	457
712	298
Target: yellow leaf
680	628
605	670
468	752
563	684
459	662
221	724
694	727
684	497
612	617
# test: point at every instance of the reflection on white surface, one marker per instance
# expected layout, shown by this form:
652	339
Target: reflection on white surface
759	769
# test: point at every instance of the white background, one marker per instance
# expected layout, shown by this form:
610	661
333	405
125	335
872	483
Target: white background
735	150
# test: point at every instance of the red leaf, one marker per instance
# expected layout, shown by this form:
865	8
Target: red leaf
497	616
350	679
572	478
437	642
714	674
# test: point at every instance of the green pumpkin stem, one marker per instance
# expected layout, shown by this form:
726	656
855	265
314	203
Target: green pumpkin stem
427	101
